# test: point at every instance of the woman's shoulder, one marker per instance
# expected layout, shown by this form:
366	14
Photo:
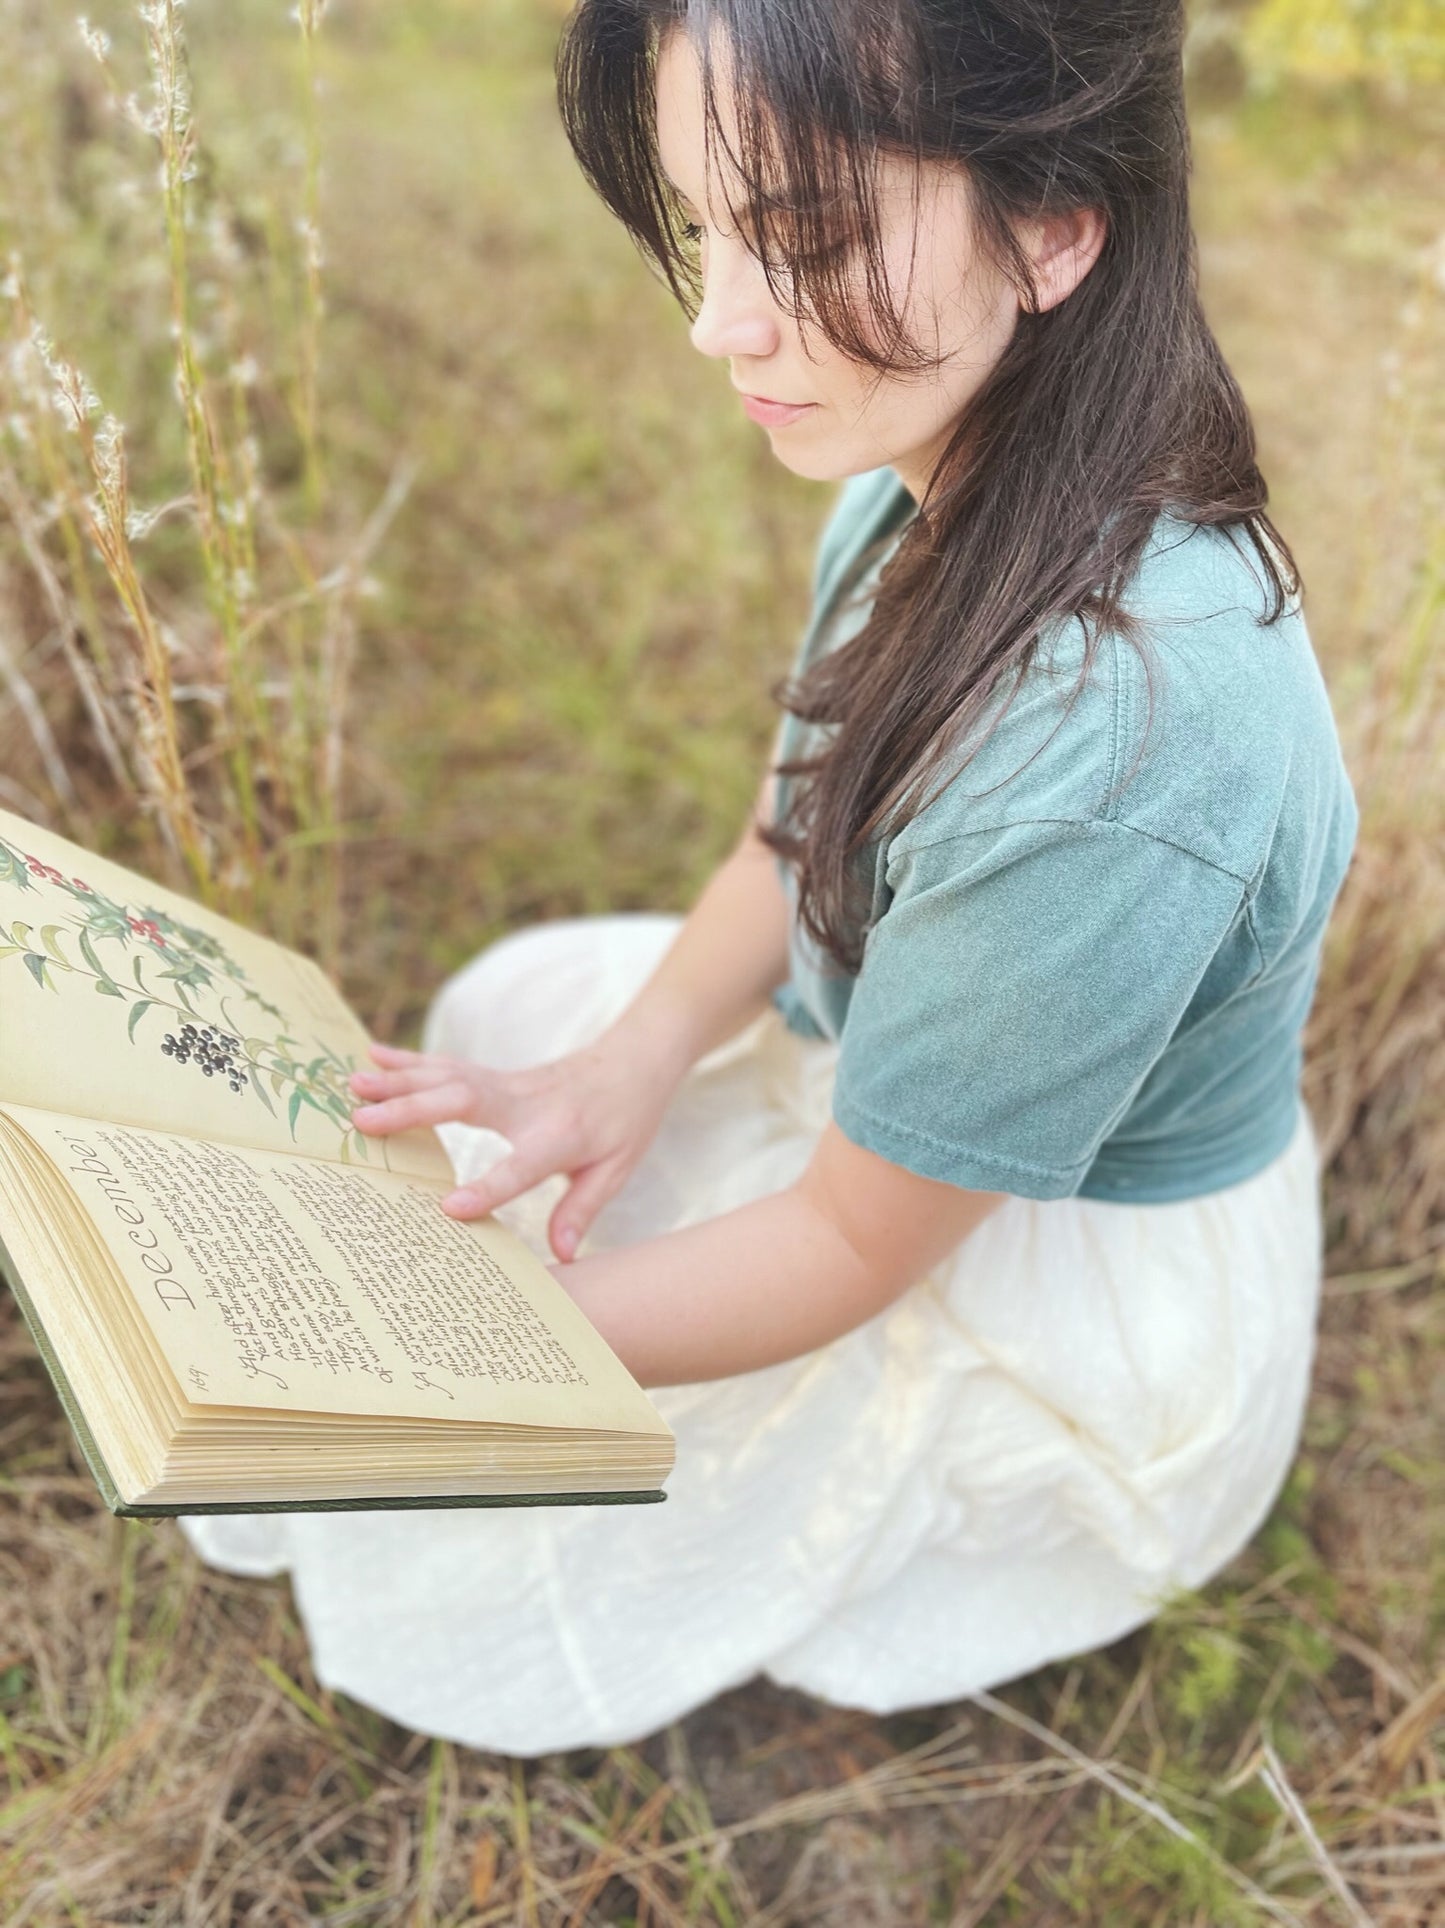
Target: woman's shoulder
1215	740
1226	711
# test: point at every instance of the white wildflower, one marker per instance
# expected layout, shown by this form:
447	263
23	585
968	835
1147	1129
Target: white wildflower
246	372
110	455
150	120
72	395
97	41
140	522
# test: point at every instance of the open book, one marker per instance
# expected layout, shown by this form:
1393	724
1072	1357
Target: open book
246	1304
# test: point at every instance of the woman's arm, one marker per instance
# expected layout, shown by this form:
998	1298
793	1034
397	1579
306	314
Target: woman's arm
784	1274
779	1276
729	957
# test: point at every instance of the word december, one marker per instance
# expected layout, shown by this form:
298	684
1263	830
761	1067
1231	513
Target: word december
169	1289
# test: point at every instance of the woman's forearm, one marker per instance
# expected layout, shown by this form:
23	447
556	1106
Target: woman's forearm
767	1281
729	956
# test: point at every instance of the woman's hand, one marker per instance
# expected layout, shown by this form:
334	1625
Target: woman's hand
591	1114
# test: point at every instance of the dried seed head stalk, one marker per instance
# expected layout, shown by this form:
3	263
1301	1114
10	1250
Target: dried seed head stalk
105	514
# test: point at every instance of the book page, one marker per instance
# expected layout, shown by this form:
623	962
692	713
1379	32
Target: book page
274	1281
125	1001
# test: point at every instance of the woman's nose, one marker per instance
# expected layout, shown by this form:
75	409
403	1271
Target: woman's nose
737	316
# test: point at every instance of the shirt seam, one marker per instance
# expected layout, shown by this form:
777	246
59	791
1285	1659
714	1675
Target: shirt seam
851	1105
1084	823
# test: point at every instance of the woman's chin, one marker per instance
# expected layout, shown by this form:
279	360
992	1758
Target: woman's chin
819	463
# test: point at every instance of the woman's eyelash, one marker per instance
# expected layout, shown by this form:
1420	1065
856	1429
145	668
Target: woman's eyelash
691	231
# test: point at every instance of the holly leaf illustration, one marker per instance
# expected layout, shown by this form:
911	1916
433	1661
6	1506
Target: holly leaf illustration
137	1012
107	919
13	870
107	989
37	966
199	941
193	973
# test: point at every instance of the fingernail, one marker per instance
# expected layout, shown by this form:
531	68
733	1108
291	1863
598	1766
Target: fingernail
457	1199
567	1239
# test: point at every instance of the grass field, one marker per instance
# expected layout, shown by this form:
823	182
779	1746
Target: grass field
488	639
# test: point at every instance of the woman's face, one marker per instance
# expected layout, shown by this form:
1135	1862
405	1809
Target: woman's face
952	300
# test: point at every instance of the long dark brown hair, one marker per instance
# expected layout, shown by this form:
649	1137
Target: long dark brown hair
1103	410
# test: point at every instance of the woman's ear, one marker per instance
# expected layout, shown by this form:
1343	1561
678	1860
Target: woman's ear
1063	248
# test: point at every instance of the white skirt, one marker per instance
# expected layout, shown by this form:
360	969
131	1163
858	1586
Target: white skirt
1086	1406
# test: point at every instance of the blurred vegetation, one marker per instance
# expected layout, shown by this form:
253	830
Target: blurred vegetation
1398	42
410	579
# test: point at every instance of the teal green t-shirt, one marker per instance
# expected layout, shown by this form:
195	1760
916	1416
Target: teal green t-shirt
1078	980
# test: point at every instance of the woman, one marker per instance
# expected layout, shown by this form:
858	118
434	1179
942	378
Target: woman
945	1171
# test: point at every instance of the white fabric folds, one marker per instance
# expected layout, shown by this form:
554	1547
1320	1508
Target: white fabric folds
1088	1404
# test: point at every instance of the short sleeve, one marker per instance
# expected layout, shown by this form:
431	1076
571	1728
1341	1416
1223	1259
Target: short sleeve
1015	993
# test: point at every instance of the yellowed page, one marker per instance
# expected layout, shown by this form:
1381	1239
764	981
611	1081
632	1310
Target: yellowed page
274	1281
99	967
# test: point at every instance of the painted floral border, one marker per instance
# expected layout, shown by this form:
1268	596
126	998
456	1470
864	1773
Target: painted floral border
197	968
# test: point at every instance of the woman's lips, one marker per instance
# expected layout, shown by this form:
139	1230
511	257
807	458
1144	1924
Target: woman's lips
775	414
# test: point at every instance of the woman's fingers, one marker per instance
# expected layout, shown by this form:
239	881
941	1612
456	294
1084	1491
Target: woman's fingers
584	1199
393	1084
393	1053
454	1098
507	1179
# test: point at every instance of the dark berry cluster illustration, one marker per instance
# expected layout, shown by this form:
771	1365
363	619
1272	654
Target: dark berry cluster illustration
212	1051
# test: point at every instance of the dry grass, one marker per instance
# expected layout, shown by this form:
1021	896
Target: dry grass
597	570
